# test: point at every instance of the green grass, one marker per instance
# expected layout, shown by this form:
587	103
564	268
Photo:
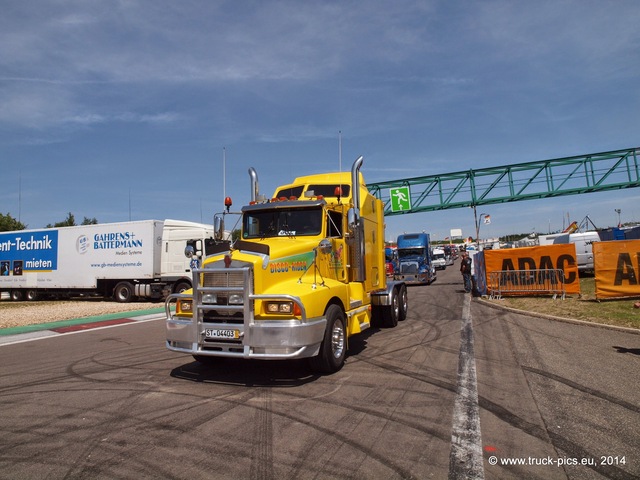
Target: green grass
620	312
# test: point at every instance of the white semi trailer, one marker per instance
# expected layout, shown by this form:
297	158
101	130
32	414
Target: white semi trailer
119	260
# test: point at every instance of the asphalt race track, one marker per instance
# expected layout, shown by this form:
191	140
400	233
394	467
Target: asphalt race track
458	389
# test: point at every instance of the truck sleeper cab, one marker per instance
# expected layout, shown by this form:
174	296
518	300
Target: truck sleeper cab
294	285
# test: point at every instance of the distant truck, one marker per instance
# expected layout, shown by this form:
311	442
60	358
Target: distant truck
438	258
414	259
119	260
391	258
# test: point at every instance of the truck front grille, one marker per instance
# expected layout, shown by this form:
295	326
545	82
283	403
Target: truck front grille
409	267
219	292
224	279
213	316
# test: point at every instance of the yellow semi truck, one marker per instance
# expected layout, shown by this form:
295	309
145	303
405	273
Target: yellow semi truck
307	273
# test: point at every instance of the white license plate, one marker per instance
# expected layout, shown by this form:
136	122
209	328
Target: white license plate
224	333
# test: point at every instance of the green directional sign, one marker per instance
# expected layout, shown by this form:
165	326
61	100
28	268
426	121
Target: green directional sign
400	199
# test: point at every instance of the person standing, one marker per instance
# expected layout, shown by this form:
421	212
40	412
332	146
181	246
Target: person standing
465	270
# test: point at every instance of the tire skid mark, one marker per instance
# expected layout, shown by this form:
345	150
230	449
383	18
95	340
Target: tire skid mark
335	436
111	415
558	441
98	442
590	391
424	429
571	448
136	423
420	343
508	417
327	446
465	460
80	459
262	446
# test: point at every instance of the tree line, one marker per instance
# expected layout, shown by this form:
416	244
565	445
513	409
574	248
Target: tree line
8	223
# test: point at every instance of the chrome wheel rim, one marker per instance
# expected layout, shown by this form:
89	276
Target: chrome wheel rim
337	340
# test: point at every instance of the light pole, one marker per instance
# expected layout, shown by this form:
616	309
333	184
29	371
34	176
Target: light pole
617	210
475	216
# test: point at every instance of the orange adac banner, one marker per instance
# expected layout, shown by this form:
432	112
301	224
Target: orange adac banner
617	266
545	257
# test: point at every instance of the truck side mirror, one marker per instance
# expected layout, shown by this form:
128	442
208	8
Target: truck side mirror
193	249
325	246
218	228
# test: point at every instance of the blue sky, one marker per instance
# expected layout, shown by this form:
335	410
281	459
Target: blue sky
121	110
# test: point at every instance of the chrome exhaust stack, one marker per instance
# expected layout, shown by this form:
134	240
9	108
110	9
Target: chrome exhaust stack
356	226
255	189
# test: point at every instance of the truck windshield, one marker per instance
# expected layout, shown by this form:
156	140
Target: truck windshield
282	223
411	252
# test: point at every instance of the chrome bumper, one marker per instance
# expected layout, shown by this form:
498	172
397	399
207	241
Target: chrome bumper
261	339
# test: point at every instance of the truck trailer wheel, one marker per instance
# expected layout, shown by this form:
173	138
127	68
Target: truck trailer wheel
16	295
123	292
333	349
31	295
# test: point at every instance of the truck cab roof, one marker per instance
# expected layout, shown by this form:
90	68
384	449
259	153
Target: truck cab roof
328	186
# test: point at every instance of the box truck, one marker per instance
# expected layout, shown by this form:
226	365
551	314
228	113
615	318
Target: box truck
120	260
584	247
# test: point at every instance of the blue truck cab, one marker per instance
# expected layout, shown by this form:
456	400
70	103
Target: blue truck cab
414	259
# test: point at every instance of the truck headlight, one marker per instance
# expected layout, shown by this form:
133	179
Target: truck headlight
236	299
185	306
210	298
279	307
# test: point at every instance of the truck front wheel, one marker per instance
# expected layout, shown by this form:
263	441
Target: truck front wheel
181	287
123	293
333	349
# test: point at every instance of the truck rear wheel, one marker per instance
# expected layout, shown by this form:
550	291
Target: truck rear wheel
403	301
16	295
31	295
391	313
123	292
333	349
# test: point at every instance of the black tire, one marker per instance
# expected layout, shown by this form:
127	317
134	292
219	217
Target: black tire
16	295
403	301
181	287
333	349
123	293
391	313
31	295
